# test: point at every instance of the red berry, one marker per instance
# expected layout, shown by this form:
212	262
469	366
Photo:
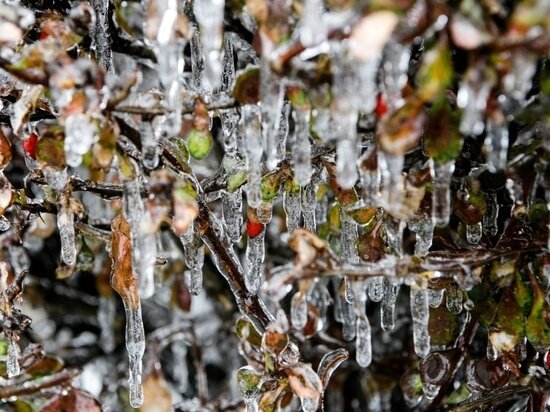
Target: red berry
253	229
43	35
546	359
29	145
381	106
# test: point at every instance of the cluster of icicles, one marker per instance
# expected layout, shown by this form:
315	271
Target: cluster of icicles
260	135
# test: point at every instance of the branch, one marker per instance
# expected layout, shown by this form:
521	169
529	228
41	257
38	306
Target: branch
492	399
32	386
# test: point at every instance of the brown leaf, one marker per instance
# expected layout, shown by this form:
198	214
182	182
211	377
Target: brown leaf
5	151
156	394
401	131
307	246
123	279
304	381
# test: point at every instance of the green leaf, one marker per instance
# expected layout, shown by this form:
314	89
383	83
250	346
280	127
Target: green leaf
248	380
199	143
441	137
509	323
436	72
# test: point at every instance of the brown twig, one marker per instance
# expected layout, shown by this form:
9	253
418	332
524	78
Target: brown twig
60	378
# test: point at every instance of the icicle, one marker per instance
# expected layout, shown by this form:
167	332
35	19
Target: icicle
435	297
301	148
348	239
255	254
180	370
395	66
106	318
149	145
171	65
490	225
12	364
420	317
348	320
517	82
363	341
298	310
80	134
209	15
309	204
19	259
230	120
370	178
394	234
293	209
232	204
473	233
423	227
197	64
454	300
387	307
272	93
228	73
345	89
441	197
135	345
253	136
376	288
472	99
496	145
282	130
100	35
65	223
313	29
391	168
348	291
194	260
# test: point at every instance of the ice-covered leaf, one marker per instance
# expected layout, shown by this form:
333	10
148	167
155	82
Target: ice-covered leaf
401	131
509	323
247	86
123	279
436	71
441	136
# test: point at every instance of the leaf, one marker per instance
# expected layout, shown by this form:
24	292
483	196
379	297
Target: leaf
76	400
248	380
246	331
401	131
157	396
436	72
247	86
123	280
5	151
371	33
24	106
509	323
441	136
329	363
185	207
307	247
537	327
7	195
270	400
50	148
199	143
304	382
443	326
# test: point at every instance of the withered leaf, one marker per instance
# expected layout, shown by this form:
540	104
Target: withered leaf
123	279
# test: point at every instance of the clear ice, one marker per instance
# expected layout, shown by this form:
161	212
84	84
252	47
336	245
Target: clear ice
420	316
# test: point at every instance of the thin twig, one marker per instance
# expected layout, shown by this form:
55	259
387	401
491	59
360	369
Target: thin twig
31	386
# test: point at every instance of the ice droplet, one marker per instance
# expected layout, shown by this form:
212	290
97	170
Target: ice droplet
149	145
135	345
454	300
232	205
376	289
80	134
496	145
106	318
298	310
474	233
430	391
301	147
253	144
492	353
423	227
363	342
420	316
435	297
12	364
293	209
65	223
441	197
387	307
255	254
